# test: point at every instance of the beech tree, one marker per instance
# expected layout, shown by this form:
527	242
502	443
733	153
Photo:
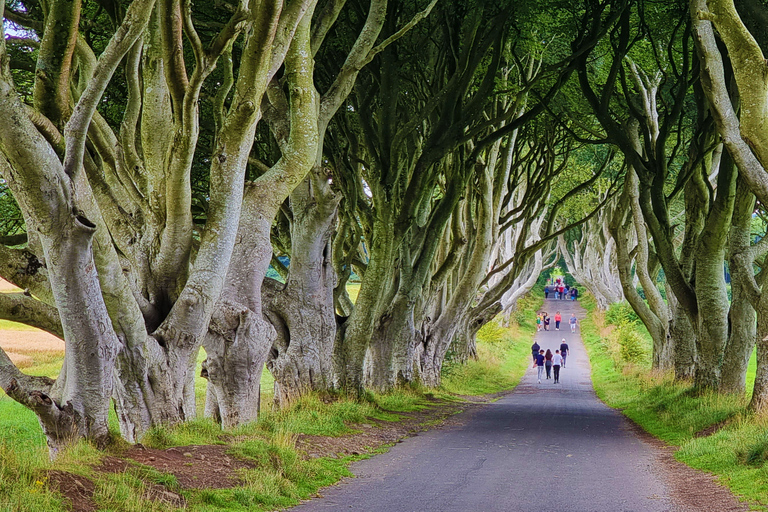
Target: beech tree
108	208
744	137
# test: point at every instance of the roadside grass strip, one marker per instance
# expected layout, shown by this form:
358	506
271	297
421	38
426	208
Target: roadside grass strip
713	432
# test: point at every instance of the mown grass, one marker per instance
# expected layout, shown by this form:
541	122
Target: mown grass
282	475
737	451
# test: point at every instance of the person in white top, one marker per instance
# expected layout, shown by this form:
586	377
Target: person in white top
557	360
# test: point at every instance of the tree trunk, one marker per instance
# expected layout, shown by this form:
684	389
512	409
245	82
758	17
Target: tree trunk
389	362
742	318
684	341
759	402
378	279
302	310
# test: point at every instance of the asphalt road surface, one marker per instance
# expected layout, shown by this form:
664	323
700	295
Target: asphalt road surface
545	447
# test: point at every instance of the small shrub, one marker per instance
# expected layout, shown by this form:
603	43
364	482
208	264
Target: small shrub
621	312
630	343
492	332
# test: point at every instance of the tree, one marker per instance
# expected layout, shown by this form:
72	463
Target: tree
110	205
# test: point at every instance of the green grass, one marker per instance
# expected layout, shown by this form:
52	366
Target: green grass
282	476
673	411
15	326
503	353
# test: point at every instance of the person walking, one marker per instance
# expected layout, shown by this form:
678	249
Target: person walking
558	319
562	292
546	322
573	321
557	361
538	321
540	364
574	293
535	350
548	363
546	292
564	351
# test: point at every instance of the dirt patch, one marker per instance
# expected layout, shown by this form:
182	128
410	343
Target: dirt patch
691	489
711	429
210	467
195	467
77	489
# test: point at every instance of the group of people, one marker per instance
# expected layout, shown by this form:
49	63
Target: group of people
560	290
549	364
543	321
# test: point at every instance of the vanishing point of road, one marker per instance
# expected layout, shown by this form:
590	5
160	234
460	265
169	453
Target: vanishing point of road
544	447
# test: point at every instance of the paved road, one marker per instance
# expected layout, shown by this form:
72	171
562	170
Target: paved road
545	447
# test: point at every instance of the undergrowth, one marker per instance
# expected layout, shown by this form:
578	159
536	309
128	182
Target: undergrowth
713	431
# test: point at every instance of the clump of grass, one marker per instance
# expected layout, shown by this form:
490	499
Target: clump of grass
197	431
127	492
23	481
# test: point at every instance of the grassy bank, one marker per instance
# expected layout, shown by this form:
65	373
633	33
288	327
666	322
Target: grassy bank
713	431
279	474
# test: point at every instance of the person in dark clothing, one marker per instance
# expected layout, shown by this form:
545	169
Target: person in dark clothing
540	364
546	292
564	351
535	350
546	322
574	293
548	363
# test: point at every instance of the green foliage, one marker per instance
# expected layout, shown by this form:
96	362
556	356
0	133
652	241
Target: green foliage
631	343
621	312
11	220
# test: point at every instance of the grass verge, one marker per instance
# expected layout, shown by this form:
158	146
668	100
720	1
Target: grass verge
712	430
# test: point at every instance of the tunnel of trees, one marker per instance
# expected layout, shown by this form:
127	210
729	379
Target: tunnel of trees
178	176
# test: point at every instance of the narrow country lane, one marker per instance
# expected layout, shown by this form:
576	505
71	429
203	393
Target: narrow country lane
544	447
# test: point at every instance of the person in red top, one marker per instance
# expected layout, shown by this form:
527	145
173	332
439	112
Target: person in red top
562	291
558	318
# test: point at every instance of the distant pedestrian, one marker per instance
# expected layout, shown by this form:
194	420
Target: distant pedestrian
540	364
574	293
558	319
548	363
562	292
557	361
573	321
538	321
557	292
564	351
535	350
546	291
546	322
